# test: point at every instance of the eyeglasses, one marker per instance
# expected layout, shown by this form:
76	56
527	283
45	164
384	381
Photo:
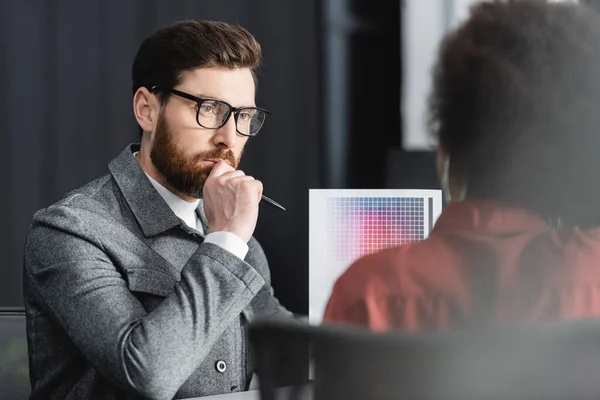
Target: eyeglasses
214	114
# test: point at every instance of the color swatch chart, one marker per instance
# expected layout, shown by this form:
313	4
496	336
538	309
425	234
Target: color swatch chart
363	225
346	224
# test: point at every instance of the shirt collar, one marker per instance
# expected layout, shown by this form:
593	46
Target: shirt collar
488	217
185	210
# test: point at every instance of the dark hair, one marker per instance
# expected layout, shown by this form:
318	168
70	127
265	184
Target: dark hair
516	104
191	44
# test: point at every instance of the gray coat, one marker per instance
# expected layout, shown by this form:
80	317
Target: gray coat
123	300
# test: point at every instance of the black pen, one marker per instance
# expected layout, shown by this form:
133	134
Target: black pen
273	203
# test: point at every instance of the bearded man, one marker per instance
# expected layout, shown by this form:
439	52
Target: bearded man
141	283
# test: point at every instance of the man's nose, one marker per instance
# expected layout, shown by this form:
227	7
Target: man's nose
226	136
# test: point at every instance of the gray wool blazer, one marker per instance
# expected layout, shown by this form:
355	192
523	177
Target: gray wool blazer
124	301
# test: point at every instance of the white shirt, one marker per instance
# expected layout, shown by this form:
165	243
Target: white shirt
186	211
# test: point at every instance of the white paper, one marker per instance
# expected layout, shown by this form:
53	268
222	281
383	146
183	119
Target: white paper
345	224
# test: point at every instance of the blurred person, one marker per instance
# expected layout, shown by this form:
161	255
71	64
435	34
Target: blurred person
141	283
514	105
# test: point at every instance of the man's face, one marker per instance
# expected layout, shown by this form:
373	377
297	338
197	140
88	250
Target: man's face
183	151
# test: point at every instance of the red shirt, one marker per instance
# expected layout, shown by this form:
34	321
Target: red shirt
483	265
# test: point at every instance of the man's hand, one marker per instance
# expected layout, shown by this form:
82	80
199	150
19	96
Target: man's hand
231	201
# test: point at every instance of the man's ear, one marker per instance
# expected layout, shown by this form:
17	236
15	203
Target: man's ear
145	109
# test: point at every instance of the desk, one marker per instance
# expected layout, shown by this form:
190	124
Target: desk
251	395
285	393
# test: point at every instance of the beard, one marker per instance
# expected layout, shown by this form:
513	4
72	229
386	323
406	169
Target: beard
183	172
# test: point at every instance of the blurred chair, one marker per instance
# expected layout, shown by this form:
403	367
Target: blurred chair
550	361
14	365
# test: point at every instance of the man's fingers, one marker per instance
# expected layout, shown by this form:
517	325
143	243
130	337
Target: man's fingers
248	184
231	174
252	186
227	176
242	178
220	168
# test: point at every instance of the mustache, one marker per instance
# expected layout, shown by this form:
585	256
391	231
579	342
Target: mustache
225	155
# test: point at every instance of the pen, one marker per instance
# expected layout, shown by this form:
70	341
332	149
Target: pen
273	203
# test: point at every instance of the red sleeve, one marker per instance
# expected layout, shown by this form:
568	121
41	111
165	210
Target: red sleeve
345	309
379	291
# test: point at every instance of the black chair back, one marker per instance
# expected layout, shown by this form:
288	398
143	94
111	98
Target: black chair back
551	361
14	365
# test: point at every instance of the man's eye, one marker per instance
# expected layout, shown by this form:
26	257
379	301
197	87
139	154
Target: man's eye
207	108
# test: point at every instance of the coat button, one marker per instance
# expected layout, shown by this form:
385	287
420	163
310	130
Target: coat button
221	366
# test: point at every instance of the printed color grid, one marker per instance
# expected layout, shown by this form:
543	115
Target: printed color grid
362	225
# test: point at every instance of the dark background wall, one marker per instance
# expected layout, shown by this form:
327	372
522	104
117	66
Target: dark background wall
65	112
65	109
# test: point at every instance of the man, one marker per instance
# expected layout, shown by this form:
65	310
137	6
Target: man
140	283
515	108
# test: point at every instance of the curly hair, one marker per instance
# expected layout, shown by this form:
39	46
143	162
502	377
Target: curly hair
515	102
